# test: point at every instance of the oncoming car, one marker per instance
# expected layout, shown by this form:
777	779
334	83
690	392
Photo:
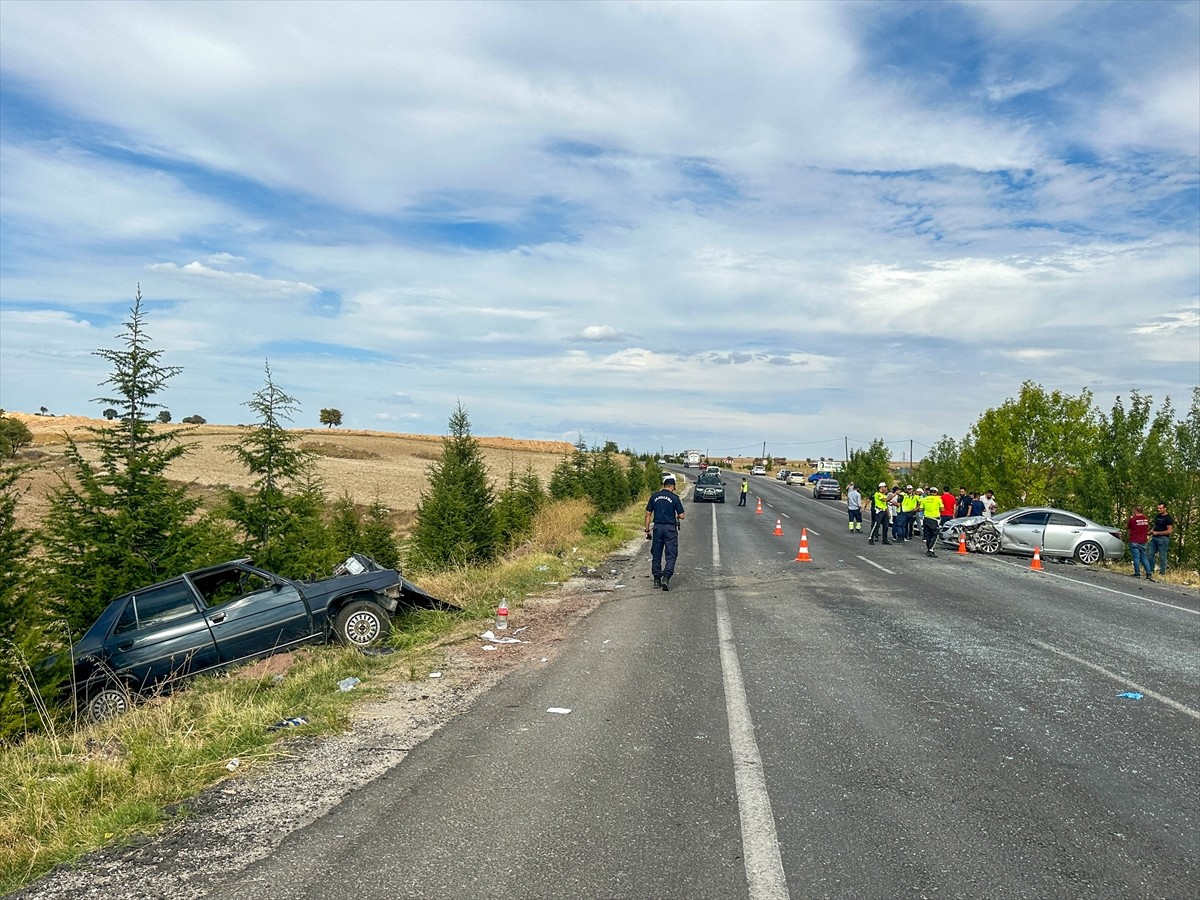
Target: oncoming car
1055	533
758	470
709	488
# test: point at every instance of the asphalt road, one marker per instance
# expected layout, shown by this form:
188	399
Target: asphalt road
871	723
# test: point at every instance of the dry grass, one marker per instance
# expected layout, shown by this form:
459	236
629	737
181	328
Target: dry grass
365	465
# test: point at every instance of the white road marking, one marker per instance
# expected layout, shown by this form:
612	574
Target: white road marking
1100	587
814	533
870	562
716	543
760	842
1124	682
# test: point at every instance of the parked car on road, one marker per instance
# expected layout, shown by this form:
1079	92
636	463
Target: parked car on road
817	476
796	478
827	489
1056	533
782	474
709	488
224	615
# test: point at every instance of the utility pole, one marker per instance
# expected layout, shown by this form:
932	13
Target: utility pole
764	456
846	458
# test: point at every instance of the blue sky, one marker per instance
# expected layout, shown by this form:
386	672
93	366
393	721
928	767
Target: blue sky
674	225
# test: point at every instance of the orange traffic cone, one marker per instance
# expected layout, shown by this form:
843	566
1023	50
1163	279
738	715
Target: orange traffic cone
802	553
1036	565
778	532
962	542
758	509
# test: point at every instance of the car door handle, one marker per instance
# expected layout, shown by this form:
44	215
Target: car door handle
218	618
128	645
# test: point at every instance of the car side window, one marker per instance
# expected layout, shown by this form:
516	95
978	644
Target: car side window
1064	519
1031	518
229	584
157	606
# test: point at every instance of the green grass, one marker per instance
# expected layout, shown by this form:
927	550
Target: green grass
73	790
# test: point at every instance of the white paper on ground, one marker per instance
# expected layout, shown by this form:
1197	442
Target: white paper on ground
558	709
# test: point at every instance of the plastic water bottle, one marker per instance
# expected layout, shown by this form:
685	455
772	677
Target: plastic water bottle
502	615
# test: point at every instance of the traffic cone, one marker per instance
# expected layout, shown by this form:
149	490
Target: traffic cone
962	542
1036	565
778	532
802	553
758	509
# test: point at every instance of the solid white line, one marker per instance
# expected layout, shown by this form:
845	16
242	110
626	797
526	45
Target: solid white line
876	565
814	533
760	843
1124	682
716	543
1100	587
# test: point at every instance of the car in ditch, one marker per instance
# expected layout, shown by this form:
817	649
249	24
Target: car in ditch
709	488
827	489
220	616
1054	533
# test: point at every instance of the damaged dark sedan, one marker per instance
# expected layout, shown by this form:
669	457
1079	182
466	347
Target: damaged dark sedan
224	615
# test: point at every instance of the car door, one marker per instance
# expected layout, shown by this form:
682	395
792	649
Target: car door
161	633
1026	531
1062	533
252	614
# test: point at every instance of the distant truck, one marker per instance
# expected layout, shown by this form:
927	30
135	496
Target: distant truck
692	459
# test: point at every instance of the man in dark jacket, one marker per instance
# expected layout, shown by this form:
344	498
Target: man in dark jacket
665	510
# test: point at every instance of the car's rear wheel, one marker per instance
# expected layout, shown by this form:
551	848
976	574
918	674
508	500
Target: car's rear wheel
107	701
362	624
987	540
1089	553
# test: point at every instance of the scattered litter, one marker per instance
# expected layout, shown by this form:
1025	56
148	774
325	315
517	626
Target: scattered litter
562	711
490	647
277	679
232	765
1130	695
552	583
519	630
435	674
541	568
618	585
489	636
544	659
606	640
293	722
347	684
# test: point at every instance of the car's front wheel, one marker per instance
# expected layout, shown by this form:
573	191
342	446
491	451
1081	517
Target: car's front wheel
107	701
987	540
362	623
1089	553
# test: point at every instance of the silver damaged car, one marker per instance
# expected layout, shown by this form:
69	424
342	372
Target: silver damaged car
1056	533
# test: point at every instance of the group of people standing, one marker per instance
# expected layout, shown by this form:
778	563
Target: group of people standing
900	513
1147	542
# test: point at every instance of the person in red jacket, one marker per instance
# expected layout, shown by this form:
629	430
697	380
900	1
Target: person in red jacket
947	505
1139	529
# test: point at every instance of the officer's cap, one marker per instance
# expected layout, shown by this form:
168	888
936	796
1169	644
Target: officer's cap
668	479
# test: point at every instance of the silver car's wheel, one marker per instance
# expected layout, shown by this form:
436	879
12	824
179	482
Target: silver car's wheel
362	623
1089	553
106	702
987	540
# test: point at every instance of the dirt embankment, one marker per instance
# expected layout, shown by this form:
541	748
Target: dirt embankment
365	465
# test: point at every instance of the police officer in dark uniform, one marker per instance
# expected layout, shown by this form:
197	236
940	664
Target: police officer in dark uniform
666	511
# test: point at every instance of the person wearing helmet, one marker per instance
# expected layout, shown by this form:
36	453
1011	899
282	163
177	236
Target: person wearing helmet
879	508
665	511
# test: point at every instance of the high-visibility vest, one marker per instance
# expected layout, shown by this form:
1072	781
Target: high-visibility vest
909	503
880	500
932	505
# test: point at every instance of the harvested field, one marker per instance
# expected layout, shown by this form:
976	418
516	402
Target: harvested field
366	465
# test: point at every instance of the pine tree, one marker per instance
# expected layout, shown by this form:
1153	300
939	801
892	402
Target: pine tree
21	624
119	523
456	519
281	519
378	539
